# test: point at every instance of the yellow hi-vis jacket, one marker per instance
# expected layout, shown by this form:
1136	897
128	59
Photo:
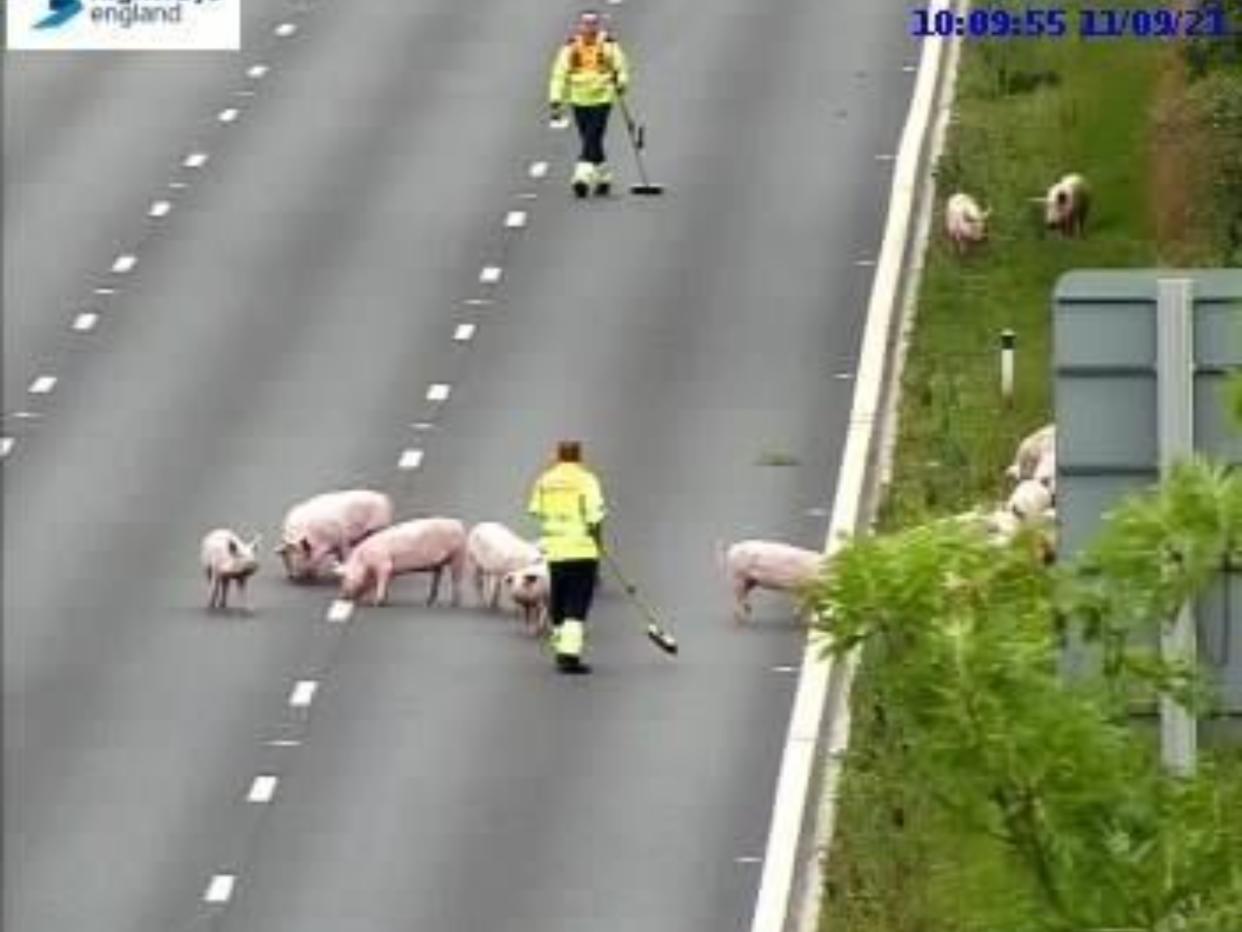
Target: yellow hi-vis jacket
586	74
568	502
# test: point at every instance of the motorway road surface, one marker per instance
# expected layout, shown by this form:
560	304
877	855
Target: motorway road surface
277	337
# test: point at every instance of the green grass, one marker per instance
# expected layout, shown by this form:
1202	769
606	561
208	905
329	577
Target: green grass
897	865
955	434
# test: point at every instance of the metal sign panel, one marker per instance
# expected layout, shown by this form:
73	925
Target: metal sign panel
1107	348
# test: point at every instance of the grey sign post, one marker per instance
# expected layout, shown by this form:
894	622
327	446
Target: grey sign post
1139	361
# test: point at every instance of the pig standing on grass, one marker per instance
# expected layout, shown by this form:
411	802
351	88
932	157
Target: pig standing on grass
530	588
1066	205
425	545
766	564
1037	446
965	222
492	550
227	559
329	525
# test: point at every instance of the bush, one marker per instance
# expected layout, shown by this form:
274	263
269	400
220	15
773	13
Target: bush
1008	798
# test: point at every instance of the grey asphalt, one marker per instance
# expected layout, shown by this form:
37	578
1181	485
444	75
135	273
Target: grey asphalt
277	340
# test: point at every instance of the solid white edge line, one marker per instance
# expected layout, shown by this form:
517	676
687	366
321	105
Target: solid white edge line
42	385
262	789
776	884
220	890
303	693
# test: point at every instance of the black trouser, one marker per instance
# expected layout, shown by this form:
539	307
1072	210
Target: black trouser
592	122
573	587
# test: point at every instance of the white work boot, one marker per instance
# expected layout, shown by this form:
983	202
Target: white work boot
603	180
569	647
584	174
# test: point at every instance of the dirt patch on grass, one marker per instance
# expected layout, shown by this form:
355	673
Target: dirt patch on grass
1179	162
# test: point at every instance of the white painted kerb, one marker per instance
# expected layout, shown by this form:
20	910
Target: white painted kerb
798	759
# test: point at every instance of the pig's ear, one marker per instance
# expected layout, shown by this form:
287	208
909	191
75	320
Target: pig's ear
233	551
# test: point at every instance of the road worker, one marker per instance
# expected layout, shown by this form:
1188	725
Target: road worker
568	503
589	72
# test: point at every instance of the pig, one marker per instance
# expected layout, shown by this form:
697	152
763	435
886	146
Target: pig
767	565
530	589
1034	448
965	222
424	545
1066	205
1029	500
227	559
329	525
493	550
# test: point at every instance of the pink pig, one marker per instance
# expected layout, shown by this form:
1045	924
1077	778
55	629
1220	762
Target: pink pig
530	588
419	546
226	560
767	565
491	551
329	525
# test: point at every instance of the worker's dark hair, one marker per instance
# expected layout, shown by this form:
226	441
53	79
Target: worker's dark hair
569	451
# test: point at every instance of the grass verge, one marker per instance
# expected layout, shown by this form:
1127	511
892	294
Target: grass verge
1126	115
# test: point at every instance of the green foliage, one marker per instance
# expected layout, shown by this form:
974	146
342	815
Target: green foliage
1007	797
1217	102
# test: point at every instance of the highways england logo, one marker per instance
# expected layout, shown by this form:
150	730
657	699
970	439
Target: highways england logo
154	25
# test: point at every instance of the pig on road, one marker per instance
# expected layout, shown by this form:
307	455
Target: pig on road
227	560
965	222
766	564
424	545
492	550
530	589
329	525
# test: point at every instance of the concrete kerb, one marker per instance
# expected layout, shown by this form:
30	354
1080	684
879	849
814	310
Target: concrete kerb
789	888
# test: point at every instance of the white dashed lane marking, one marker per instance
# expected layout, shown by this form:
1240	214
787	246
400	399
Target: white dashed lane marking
244	93
463	333
124	264
478	302
262	789
748	859
527	196
6	446
220	890
159	209
410	459
284	30
885	157
785	668
864	263
490	274
177	185
229	115
340	611
303	692
538	169
42	385
105	291
284	743
515	219
438	391
256	71
85	321
195	160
